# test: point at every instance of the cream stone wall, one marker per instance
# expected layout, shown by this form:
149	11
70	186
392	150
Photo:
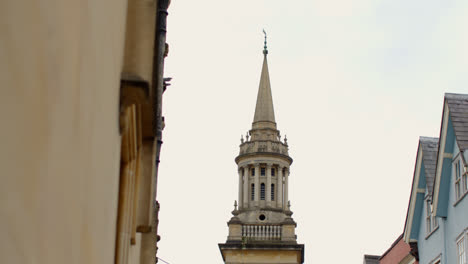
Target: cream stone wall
60	66
139	42
246	256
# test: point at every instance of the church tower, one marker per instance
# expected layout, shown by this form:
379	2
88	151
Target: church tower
262	229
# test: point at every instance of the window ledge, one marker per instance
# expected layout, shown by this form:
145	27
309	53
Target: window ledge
432	232
461	198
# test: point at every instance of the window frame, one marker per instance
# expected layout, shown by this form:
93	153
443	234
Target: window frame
252	192
428	217
460	179
272	192
262	192
432	222
464	239
464	180
458	190
437	260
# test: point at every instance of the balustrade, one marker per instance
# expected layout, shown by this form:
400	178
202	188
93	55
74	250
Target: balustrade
261	232
263	146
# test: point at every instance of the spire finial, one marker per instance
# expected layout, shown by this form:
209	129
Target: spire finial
265	50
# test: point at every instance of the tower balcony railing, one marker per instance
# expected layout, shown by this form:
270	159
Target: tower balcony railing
263	146
261	232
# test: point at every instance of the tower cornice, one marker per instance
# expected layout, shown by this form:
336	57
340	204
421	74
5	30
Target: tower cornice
242	157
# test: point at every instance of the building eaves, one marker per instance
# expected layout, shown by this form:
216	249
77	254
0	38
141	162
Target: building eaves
458	108
371	259
392	246
429	149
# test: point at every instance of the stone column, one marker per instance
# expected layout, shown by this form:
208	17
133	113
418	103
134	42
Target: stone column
257	184
279	188
286	188
268	185
239	202
246	186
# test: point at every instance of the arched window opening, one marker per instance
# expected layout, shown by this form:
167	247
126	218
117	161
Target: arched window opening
252	191
272	192
262	191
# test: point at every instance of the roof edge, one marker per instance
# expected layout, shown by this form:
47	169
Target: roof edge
392	246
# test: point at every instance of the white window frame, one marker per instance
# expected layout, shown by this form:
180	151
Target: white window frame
462	254
457	175
437	260
465	179
431	221
460	178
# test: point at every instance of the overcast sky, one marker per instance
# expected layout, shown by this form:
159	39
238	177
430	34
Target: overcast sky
354	83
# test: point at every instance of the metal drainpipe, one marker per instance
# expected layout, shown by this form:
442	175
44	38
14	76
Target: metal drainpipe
158	88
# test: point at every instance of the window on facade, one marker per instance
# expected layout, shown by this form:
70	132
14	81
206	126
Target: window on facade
461	181
465	180
262	171
458	190
431	221
262	191
252	171
272	192
273	170
252	192
243	172
461	250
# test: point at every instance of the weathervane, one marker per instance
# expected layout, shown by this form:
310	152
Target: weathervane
265	51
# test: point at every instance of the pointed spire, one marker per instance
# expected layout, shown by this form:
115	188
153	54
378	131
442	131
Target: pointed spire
264	109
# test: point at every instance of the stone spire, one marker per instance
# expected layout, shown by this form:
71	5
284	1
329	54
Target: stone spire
262	228
264	112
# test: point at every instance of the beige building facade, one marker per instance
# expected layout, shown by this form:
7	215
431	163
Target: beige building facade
81	98
262	229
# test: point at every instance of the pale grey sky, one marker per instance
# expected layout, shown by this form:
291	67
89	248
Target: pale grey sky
354	83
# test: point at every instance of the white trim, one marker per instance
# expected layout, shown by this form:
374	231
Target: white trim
430	218
408	259
443	139
409	220
448	155
437	260
421	190
463	236
461	181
